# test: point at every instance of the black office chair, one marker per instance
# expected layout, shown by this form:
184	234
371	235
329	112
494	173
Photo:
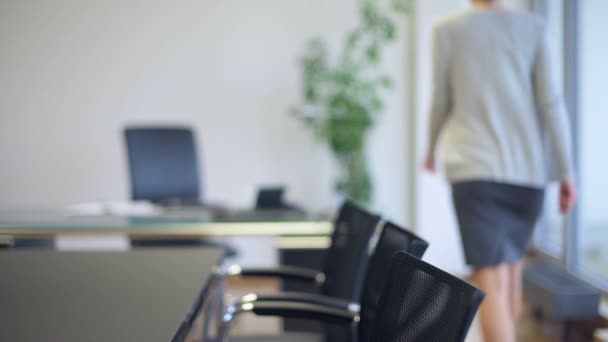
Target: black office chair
336	312
423	303
163	165
164	170
345	260
418	303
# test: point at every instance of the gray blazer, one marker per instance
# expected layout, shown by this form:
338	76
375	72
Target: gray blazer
495	102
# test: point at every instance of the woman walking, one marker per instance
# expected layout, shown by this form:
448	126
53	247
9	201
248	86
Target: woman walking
494	101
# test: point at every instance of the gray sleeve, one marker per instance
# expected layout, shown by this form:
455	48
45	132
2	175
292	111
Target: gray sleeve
551	107
441	98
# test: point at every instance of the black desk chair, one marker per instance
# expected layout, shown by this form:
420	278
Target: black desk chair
423	303
164	170
417	303
345	260
338	313
163	165
344	263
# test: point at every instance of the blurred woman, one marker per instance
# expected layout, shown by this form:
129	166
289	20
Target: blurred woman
494	102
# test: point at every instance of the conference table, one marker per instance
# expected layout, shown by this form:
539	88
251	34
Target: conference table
133	295
176	223
140	295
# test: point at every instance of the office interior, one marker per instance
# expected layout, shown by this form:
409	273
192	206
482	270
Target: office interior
222	82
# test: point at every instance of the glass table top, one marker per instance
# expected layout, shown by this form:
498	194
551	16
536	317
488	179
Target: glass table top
174	221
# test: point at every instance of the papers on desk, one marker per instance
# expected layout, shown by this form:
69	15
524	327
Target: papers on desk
92	243
117	208
140	209
103	242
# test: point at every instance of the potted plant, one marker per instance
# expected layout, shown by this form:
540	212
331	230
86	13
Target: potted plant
342	100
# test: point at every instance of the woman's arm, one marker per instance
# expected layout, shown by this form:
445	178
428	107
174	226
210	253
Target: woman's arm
554	116
552	109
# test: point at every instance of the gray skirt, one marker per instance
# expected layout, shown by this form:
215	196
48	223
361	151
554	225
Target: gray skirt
496	220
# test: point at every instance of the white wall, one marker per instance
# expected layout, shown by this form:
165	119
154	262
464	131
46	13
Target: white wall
74	73
79	71
389	143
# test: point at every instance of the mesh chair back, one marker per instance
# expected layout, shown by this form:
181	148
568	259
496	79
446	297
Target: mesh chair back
392	239
423	303
346	260
163	165
347	257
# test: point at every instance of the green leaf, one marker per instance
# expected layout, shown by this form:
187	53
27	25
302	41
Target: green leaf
376	104
402	6
389	30
386	82
373	54
353	39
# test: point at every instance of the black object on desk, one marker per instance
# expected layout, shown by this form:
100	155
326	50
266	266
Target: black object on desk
143	295
270	198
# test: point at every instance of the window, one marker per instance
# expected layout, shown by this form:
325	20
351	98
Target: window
592	140
550	233
578	31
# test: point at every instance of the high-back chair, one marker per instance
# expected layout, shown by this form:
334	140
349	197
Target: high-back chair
163	165
328	309
393	239
418	303
345	261
344	265
423	303
164	169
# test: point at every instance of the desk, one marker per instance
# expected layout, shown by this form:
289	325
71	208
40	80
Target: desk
169	225
142	295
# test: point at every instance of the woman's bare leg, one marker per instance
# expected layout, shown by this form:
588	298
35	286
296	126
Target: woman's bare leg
516	293
495	312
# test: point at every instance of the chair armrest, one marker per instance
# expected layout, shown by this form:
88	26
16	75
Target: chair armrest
285	272
301	297
304	310
5	242
287	309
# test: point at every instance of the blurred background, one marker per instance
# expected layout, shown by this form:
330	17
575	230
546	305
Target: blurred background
75	74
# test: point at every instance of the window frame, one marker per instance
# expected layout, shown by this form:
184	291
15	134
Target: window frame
571	249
